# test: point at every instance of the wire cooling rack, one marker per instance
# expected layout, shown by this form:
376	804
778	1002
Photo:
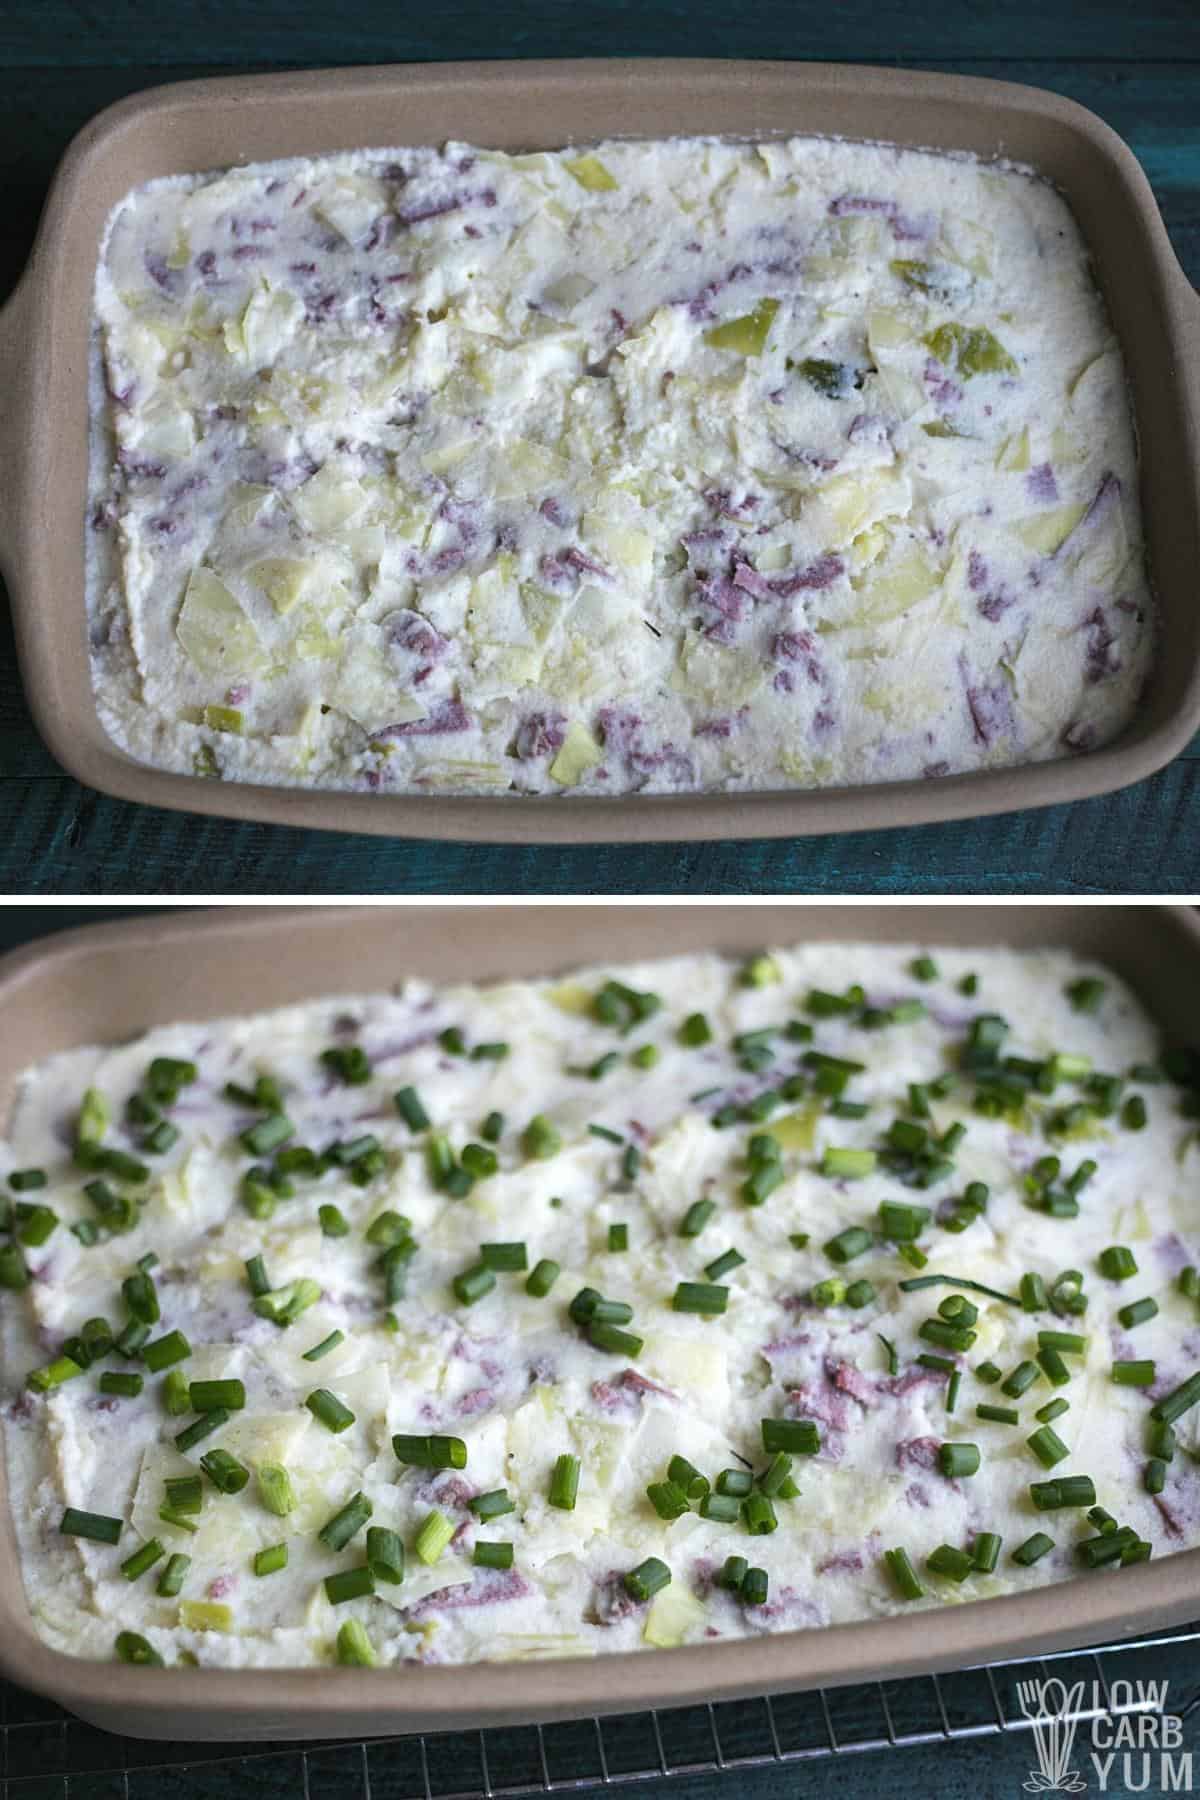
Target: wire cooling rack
50	1756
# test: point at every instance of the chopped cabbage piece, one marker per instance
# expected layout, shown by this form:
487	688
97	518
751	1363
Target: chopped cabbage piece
591	173
215	633
747	335
579	753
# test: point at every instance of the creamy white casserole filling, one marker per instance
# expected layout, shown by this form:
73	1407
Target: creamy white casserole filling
663	466
628	1138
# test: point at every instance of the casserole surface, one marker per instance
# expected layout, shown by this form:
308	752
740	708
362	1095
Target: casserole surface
657	467
112	983
1153	311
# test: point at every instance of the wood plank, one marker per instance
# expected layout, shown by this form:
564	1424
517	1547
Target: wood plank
80	32
57	838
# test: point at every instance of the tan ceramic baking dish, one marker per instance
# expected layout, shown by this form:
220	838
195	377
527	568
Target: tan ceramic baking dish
107	983
203	125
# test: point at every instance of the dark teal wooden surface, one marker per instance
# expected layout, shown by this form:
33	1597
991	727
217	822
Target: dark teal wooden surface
62	60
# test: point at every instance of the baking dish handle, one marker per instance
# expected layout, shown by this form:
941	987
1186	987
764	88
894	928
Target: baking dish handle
14	353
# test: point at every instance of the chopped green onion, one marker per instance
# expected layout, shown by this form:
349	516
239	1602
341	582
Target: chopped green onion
1154	1475
1047	1446
761	1183
473	1284
985	1551
947	1337
510	1256
733	1573
946	1560
275	1488
694	1031
141	1298
492	1505
434	1535
113	1381
700	1297
284	1305
97	1526
540	1139
25	1181
1137	1312
493	1555
799	1437
13	1273
1034	1297
267	1135
170	1582
603	1336
696	1218
225	1471
325	1346
333	1221
900	1222
903	1574
860	1293
132	1338
755	1584
164	1351
408	1104
201	1428
142	1559
542	1278
53	1374
759	1515
271	1559
1033	1549
1085	994
205	1395
329	1410
668	1500
492	1129
1178	1401
602	1131
346	1523
725	1264
564	1483
889	1350
956	1460
349	1584
1020	1379
1067	1490
848	1165
354	1647
179	1521
648	1579
430	1452
1134	1373
915	1282
1053	1367
776	1475
618	1238
848	1244
176	1394
256	1275
1160	1439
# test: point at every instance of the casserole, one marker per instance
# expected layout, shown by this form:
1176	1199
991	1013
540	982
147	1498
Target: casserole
109	983
44	357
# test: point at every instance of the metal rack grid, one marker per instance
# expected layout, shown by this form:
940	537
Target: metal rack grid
48	1755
